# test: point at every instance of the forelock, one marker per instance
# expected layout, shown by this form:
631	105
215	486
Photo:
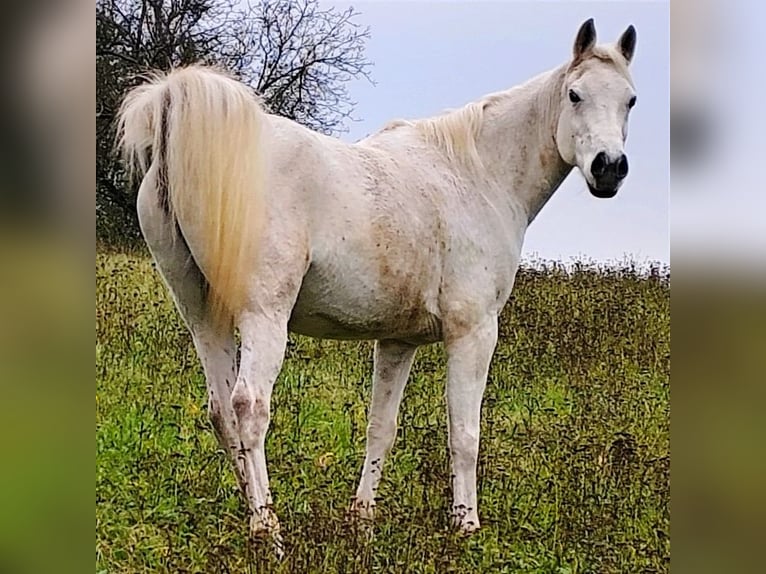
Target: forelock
604	53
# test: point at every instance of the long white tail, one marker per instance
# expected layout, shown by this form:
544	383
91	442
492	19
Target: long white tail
198	133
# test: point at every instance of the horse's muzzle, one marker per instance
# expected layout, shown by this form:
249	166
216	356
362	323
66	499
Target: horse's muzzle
607	173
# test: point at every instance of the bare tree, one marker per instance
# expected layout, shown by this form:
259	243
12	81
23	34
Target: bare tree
300	57
297	55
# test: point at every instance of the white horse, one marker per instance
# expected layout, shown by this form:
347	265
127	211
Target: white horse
408	237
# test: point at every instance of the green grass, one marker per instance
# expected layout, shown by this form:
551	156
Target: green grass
573	467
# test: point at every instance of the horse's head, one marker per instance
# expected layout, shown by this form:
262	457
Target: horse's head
597	97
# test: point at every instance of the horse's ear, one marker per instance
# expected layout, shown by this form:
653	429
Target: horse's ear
586	39
627	43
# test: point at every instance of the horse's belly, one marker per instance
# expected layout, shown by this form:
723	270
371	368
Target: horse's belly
322	325
351	310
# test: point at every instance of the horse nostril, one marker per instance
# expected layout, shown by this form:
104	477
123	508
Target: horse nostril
622	166
598	167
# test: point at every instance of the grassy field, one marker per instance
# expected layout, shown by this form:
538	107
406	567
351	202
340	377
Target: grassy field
573	467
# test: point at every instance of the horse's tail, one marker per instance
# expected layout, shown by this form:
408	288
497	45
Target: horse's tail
198	133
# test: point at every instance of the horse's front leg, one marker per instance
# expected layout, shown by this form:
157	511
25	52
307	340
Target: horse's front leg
469	353
392	363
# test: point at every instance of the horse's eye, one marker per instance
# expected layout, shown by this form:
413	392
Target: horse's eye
632	102
573	97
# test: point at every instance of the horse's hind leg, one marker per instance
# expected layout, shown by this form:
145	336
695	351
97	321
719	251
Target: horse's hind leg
392	363
264	339
263	329
217	351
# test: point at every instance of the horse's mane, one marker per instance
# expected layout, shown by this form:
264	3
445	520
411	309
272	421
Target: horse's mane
455	131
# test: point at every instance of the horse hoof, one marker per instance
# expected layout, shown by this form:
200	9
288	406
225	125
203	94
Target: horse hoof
264	526
264	522
262	540
361	515
361	511
465	525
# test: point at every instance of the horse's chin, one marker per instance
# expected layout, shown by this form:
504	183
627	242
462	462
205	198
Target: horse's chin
602	193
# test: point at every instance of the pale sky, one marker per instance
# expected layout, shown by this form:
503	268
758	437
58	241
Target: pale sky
430	56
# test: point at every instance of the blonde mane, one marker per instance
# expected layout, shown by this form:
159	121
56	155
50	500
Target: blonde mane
455	132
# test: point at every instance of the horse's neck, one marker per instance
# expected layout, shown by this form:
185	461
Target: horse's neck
517	143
